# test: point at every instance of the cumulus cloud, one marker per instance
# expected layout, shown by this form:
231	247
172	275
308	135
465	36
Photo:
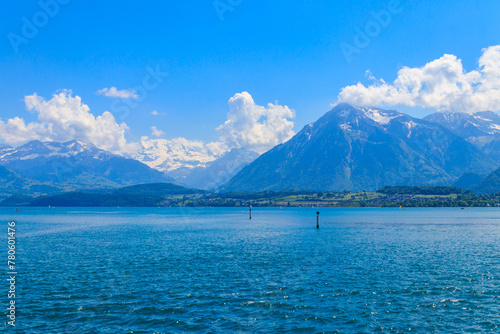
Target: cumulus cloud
248	125
155	132
122	94
65	118
255	127
442	84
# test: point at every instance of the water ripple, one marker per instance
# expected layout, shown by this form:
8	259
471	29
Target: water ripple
214	272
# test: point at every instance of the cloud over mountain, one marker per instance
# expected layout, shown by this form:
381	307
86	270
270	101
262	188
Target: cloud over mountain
255	127
249	126
442	84
64	118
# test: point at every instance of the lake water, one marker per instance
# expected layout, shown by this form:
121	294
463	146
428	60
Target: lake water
213	270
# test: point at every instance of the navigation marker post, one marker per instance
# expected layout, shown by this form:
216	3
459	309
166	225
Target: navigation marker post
317	219
250	212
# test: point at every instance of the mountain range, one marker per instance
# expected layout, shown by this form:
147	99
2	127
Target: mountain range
354	148
482	129
349	148
215	173
72	165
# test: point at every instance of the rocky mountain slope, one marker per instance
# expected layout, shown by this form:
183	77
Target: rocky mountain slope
481	129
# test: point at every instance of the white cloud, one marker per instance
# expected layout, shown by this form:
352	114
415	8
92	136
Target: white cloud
65	118
442	84
122	94
15	130
156	113
249	126
255	127
156	133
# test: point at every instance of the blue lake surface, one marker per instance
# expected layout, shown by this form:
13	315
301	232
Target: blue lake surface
212	270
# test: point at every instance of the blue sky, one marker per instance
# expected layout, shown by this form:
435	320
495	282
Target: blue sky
275	50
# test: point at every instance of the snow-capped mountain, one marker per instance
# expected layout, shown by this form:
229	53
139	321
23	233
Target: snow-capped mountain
78	164
485	123
482	129
216	172
193	163
168	155
353	148
83	165
37	149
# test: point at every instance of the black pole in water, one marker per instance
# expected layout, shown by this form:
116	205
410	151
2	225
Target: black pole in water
317	219
250	212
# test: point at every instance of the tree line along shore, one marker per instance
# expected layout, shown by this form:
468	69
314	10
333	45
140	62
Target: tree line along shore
169	195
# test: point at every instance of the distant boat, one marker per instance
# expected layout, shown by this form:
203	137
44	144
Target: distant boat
17	210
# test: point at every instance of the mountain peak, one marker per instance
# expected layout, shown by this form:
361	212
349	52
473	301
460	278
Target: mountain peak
380	116
479	124
33	144
76	147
